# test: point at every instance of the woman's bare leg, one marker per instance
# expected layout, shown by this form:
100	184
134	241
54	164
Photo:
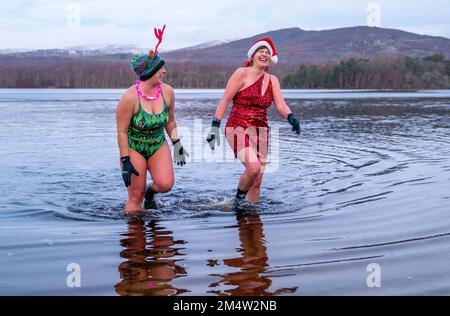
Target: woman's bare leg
251	178
160	166
252	168
255	190
137	188
260	141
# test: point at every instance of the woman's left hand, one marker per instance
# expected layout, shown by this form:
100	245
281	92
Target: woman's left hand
294	122
179	154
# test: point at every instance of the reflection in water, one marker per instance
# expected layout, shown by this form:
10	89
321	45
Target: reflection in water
376	170
150	266
252	278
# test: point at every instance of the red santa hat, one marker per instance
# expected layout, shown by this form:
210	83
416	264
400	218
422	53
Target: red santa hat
266	42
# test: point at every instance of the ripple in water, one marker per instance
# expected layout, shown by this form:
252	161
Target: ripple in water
366	182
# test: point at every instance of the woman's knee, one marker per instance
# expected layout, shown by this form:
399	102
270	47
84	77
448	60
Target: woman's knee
258	179
164	185
253	169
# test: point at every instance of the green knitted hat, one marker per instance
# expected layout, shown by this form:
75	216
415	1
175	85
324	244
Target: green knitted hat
146	65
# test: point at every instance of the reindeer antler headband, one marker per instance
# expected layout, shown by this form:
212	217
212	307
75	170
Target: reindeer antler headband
159	35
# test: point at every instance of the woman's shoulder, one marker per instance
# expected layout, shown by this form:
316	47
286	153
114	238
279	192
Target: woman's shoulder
129	95
241	71
127	101
240	74
168	93
273	77
167	89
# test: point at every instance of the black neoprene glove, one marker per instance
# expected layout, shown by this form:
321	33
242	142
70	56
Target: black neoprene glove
294	122
214	134
127	170
179	154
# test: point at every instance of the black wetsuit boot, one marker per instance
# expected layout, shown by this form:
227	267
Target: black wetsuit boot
240	195
239	199
149	198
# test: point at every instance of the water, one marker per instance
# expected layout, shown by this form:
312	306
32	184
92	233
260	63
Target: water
367	182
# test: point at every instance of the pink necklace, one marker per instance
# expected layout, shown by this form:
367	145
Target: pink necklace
149	98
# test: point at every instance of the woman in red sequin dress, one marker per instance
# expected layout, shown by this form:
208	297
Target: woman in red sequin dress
252	91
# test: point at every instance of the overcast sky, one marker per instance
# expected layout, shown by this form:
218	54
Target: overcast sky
59	24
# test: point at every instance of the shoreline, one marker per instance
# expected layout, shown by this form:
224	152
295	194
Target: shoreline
316	89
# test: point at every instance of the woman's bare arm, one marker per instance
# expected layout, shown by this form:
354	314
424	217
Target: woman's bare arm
171	126
234	84
282	108
124	112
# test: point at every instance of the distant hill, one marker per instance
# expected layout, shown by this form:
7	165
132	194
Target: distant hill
209	65
204	45
76	51
297	46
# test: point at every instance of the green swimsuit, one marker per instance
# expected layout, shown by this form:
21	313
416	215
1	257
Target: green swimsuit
146	131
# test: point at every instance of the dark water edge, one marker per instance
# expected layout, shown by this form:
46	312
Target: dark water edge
367	183
64	95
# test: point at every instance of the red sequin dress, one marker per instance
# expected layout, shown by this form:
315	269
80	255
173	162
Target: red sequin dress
247	124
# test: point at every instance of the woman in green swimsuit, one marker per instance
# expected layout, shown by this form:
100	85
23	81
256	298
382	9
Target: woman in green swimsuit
145	110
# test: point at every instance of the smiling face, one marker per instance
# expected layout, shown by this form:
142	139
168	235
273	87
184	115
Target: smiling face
261	58
161	74
158	76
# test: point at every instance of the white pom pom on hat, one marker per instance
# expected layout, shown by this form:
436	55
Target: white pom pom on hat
266	42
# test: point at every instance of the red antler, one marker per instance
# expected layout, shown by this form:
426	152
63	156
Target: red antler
159	35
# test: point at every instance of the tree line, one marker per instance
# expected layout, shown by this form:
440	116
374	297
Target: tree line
383	72
64	72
